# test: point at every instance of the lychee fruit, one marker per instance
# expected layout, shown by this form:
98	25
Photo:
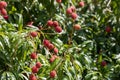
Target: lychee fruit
3	4
103	63
55	50
35	69
58	1
74	16
46	42
34	34
77	27
108	29
50	23
55	23
32	77
3	12
38	64
53	74
81	4
58	29
33	55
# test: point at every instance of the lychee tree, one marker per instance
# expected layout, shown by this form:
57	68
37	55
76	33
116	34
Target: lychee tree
59	40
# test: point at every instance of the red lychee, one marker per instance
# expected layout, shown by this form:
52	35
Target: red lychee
77	27
50	46
55	23
74	16
3	12
81	4
58	29
50	23
32	77
53	74
46	42
3	4
35	69
103	63
69	11
108	29
38	64
33	55
55	50
34	34
58	1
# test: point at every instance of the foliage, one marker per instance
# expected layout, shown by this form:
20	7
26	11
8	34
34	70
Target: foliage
80	51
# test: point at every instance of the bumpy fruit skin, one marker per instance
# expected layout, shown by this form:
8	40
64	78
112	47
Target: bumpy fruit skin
53	74
3	4
73	8
74	16
58	29
55	56
6	17
46	42
32	77
30	23
55	23
108	29
77	27
33	55
55	50
3	12
52	59
35	69
81	4
69	11
50	46
33	34
103	63
38	65
58	1
50	23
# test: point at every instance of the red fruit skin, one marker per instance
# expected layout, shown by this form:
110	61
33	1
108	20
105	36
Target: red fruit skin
46	42
73	8
50	46
108	29
38	65
53	74
35	69
3	4
74	16
30	23
58	1
55	56
33	34
32	77
33	55
50	23
81	4
69	11
6	17
55	50
3	12
52	59
77	27
103	63
58	29
55	23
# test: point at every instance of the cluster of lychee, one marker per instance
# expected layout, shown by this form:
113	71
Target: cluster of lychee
54	24
71	11
3	11
50	46
35	68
